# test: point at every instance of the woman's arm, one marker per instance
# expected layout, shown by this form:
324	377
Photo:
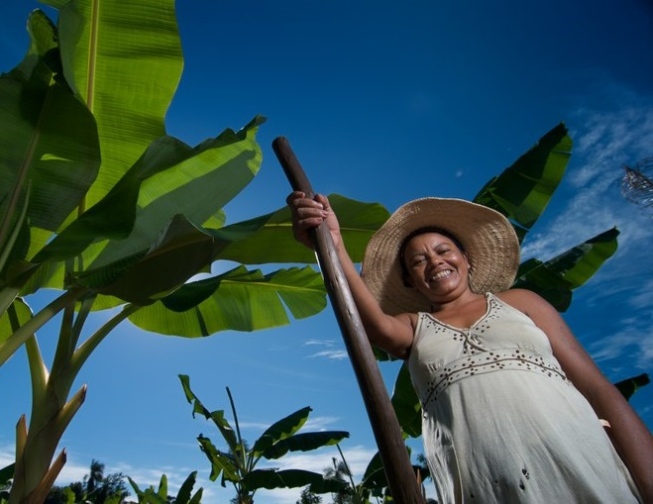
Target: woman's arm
630	436
392	334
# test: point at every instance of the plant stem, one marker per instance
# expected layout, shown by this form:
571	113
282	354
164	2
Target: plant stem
86	348
240	438
19	337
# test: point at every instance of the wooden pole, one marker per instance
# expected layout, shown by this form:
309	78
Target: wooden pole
402	481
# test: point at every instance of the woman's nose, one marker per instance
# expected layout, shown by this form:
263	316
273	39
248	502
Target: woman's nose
434	259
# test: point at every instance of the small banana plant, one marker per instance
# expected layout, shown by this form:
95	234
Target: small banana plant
238	463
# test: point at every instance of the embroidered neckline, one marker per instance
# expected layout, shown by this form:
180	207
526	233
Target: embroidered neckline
488	308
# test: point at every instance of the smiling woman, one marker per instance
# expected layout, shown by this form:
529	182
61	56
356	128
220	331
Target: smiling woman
513	409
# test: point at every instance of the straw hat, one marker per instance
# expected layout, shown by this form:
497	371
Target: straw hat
489	240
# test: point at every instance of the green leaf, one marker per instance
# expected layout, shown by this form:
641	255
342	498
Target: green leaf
631	385
290	478
374	477
197	498
23	313
555	279
183	495
163	255
182	252
115	55
304	442
6	474
197	185
217	416
48	137
274	243
163	487
406	404
534	275
198	407
221	463
169	179
281	429
238	300
523	190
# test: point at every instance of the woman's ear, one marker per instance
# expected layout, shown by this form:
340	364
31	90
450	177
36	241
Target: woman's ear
408	282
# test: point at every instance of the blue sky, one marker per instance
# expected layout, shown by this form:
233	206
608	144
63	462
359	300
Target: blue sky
381	101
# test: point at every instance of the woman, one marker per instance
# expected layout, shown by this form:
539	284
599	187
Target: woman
514	410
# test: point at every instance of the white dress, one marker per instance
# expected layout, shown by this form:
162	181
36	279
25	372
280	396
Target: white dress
501	422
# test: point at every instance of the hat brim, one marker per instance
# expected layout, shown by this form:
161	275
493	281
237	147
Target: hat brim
489	240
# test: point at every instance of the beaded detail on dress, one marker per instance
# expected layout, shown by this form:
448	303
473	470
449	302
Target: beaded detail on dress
477	358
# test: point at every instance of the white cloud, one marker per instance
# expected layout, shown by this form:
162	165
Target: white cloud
327	343
605	141
332	354
319	423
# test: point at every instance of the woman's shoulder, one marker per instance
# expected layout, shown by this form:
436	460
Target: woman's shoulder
524	300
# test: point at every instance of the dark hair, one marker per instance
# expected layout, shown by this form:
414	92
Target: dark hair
431	229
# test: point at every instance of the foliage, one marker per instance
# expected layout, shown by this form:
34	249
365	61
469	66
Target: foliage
373	484
95	488
630	385
160	495
238	463
100	206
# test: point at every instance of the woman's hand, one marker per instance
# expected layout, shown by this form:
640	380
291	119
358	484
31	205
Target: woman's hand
308	214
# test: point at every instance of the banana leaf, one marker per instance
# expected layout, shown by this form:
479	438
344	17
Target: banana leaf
305	441
524	189
221	463
238	300
291	478
48	142
281	430
115	55
406	404
216	416
274	242
169	178
21	313
555	279
631	385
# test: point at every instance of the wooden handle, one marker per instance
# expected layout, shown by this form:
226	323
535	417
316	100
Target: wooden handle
401	478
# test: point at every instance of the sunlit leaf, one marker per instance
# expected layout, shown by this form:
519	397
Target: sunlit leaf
522	191
116	55
49	138
274	243
22	312
237	300
555	279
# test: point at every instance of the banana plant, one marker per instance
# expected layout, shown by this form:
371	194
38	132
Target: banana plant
185	494
99	205
237	464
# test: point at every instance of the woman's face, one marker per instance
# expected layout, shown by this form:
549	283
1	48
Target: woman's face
436	266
